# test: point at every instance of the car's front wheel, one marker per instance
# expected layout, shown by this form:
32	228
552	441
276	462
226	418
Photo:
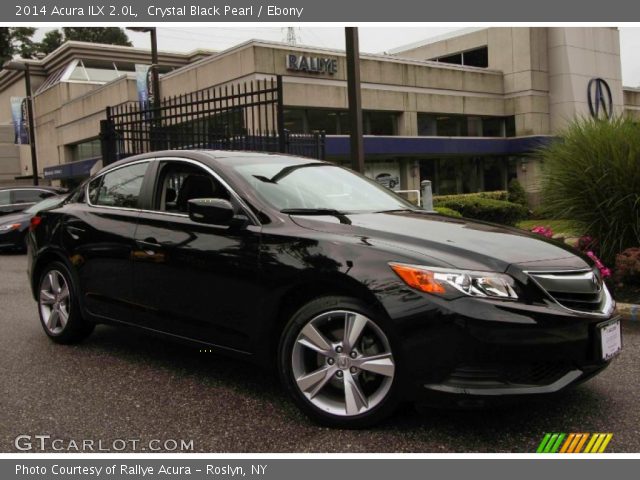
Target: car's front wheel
60	314
338	363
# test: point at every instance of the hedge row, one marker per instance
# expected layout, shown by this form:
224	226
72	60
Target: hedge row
448	212
495	195
479	207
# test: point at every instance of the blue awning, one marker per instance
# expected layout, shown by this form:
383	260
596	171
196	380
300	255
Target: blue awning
81	168
338	145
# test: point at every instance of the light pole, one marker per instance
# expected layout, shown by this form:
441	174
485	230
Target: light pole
24	67
355	98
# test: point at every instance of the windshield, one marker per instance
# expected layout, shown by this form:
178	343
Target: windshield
46	203
286	185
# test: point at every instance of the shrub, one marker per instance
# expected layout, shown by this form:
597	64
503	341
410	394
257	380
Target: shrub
448	212
489	210
495	195
591	174
516	193
627	269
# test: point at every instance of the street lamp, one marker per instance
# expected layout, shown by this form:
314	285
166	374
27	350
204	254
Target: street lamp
24	67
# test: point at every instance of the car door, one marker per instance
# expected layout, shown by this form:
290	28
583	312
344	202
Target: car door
191	279
98	232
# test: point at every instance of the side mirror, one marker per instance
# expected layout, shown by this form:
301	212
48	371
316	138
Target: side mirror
212	211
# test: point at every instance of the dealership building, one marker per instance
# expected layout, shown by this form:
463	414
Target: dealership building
466	111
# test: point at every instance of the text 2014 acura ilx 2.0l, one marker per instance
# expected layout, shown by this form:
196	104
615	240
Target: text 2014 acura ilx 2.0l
360	299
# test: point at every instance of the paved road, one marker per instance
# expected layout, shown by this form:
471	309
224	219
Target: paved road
123	385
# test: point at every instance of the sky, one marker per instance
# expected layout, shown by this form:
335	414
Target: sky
372	40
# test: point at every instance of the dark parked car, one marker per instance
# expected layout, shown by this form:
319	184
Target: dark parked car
358	298
14	227
19	198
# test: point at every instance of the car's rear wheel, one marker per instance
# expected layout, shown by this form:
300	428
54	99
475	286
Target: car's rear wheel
60	314
338	363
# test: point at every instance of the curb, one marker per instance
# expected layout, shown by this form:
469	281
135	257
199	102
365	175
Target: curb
629	311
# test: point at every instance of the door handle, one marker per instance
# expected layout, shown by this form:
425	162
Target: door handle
148	245
74	231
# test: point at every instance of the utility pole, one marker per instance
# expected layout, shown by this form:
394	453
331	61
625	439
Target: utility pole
355	98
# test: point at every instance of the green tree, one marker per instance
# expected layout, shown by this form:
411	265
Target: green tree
108	35
52	40
17	40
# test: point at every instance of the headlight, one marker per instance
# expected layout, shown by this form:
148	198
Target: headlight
446	281
9	226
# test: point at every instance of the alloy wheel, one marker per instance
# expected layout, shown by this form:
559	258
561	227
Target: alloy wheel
55	302
342	363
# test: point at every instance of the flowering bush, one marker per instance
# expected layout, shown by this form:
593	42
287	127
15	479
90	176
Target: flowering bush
586	244
628	266
604	271
544	231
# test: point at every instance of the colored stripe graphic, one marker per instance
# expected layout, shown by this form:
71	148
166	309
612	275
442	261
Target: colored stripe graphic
574	443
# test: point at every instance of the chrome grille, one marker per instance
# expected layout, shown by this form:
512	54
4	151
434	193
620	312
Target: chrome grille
579	290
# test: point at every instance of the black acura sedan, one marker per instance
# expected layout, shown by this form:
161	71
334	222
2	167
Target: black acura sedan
358	298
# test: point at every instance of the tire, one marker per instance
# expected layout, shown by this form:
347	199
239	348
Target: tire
60	314
317	369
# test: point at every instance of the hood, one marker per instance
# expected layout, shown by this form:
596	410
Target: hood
453	242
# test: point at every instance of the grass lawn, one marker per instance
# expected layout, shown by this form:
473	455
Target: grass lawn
567	228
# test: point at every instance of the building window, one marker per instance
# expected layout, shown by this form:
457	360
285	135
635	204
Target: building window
448	125
478	57
493	127
450	176
326	120
380	123
85	150
336	122
295	120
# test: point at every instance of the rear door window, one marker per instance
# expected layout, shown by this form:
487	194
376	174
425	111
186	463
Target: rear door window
119	188
5	198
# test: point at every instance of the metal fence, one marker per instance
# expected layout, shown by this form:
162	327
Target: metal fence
247	116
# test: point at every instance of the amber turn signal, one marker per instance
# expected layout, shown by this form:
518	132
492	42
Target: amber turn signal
417	278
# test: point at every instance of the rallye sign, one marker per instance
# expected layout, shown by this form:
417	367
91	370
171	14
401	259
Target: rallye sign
310	64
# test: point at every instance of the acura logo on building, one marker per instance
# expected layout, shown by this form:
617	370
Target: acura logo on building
599	98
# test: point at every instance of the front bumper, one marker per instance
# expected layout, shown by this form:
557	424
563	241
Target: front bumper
482	349
12	239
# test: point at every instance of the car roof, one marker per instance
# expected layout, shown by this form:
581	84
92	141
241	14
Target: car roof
217	157
31	187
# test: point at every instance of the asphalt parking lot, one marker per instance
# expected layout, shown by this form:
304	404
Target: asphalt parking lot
120	384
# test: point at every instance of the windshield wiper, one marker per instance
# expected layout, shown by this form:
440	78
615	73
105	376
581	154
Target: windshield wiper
318	211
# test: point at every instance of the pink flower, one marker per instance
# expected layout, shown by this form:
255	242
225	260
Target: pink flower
604	271
544	231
